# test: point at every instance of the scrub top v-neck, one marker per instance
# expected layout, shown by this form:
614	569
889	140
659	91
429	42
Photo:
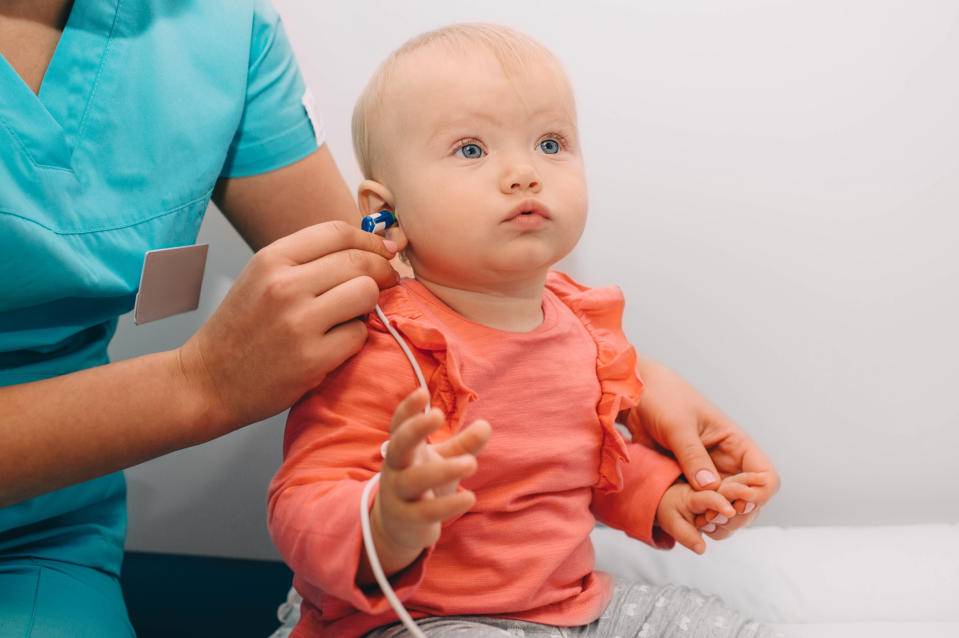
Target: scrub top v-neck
144	105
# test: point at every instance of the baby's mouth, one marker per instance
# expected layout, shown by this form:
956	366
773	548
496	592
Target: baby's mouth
527	209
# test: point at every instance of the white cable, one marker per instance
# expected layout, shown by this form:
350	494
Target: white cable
384	584
381	579
406	351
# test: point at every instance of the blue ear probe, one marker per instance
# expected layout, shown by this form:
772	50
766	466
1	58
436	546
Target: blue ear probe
378	222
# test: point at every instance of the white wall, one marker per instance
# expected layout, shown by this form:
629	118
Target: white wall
774	186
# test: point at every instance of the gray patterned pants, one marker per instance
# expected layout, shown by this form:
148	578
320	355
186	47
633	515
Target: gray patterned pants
635	611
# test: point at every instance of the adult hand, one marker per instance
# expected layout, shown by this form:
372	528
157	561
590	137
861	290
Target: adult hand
708	445
293	315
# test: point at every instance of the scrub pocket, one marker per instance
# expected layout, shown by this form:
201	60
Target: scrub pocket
53	599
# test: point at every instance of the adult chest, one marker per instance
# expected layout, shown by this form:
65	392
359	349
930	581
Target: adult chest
118	152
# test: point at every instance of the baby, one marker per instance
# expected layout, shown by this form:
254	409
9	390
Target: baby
468	134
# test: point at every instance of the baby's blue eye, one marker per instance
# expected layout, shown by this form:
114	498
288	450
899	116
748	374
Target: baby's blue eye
550	147
469	151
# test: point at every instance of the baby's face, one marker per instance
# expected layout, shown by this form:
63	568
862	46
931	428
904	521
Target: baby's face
485	169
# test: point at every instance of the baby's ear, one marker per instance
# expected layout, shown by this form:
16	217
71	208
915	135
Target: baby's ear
372	197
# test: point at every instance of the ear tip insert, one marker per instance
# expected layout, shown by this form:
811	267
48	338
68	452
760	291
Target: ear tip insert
378	222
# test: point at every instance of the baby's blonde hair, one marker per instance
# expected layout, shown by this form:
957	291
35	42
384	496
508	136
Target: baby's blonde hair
512	48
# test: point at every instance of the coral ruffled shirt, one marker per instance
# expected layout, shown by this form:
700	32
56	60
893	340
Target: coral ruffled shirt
554	464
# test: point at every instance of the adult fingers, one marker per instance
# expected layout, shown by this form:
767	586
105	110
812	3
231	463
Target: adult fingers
753	489
323	273
408	436
693	458
755	462
398	238
740	490
720	528
347	301
415	481
338	344
319	240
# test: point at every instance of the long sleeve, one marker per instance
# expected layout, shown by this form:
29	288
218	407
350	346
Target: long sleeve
331	449
646	477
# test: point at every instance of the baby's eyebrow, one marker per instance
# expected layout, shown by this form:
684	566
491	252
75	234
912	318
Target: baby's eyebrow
461	122
465	122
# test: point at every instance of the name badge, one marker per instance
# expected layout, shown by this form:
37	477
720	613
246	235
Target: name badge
170	282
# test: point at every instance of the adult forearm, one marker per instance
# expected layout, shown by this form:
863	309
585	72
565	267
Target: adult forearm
289	319
75	427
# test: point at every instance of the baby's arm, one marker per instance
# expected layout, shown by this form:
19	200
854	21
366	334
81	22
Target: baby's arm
418	484
331	450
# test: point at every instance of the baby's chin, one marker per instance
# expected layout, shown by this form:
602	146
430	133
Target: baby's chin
502	279
522	263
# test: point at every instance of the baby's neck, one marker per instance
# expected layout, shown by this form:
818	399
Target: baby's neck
517	308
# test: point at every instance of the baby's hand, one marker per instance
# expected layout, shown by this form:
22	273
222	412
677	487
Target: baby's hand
745	491
679	507
418	481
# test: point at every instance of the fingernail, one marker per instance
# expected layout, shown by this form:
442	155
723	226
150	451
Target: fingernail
705	477
749	507
720	520
709	528
390	245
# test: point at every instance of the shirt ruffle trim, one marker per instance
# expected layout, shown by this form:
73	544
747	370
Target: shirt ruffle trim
601	311
447	390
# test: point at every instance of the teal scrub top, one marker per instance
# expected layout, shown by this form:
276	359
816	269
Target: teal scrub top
144	105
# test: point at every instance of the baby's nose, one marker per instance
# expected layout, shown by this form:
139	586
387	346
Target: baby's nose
519	178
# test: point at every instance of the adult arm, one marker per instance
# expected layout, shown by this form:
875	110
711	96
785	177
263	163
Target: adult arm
287	321
265	207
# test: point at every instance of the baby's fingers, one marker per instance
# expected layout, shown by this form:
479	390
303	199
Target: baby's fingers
706	500
415	481
683	531
763	485
469	440
414	403
404	440
745	491
740	496
437	510
709	506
